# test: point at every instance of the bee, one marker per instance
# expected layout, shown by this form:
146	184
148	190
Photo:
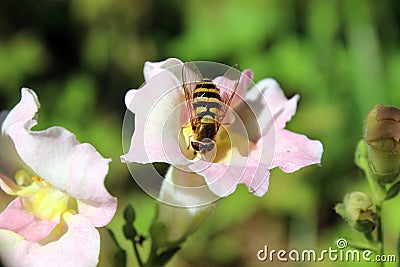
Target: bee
207	104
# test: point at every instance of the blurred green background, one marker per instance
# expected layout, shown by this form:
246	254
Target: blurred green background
342	57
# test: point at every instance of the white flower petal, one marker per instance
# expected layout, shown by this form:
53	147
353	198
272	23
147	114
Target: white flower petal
188	203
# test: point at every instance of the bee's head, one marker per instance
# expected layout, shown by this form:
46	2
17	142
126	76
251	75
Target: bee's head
203	146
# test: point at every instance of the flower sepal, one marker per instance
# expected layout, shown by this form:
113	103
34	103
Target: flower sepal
162	250
159	233
362	161
393	191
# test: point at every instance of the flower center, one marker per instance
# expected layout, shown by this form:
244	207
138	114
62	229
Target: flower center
41	198
222	147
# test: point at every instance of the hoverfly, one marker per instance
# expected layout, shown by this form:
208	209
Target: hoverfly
207	104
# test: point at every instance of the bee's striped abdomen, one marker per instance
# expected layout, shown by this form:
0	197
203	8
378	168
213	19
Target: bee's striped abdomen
206	101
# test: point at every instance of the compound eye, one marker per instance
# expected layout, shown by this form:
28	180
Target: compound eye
207	145
195	145
210	146
207	141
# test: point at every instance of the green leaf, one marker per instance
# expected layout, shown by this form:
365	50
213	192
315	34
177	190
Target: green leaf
361	155
393	191
120	255
365	225
111	233
363	245
120	258
165	256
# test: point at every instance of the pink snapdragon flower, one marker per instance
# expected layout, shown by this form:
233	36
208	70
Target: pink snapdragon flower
59	188
246	150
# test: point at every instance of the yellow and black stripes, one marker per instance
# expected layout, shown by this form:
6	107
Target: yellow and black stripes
208	94
206	100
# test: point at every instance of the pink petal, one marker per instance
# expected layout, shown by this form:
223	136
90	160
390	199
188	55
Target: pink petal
130	95
153	68
79	246
264	149
76	169
282	108
25	110
266	108
294	151
225	86
255	113
15	218
157	107
100	211
246	79
223	178
258	181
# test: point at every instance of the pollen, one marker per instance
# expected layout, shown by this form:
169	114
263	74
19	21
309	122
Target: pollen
37	179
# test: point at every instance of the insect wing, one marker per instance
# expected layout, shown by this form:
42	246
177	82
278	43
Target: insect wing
228	85
191	76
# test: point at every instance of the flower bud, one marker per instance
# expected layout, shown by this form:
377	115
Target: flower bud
129	231
383	139
129	214
357	211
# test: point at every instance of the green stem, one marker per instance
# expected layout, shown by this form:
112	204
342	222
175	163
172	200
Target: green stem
152	255
379	230
398	251
362	245
378	191
379	195
139	259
